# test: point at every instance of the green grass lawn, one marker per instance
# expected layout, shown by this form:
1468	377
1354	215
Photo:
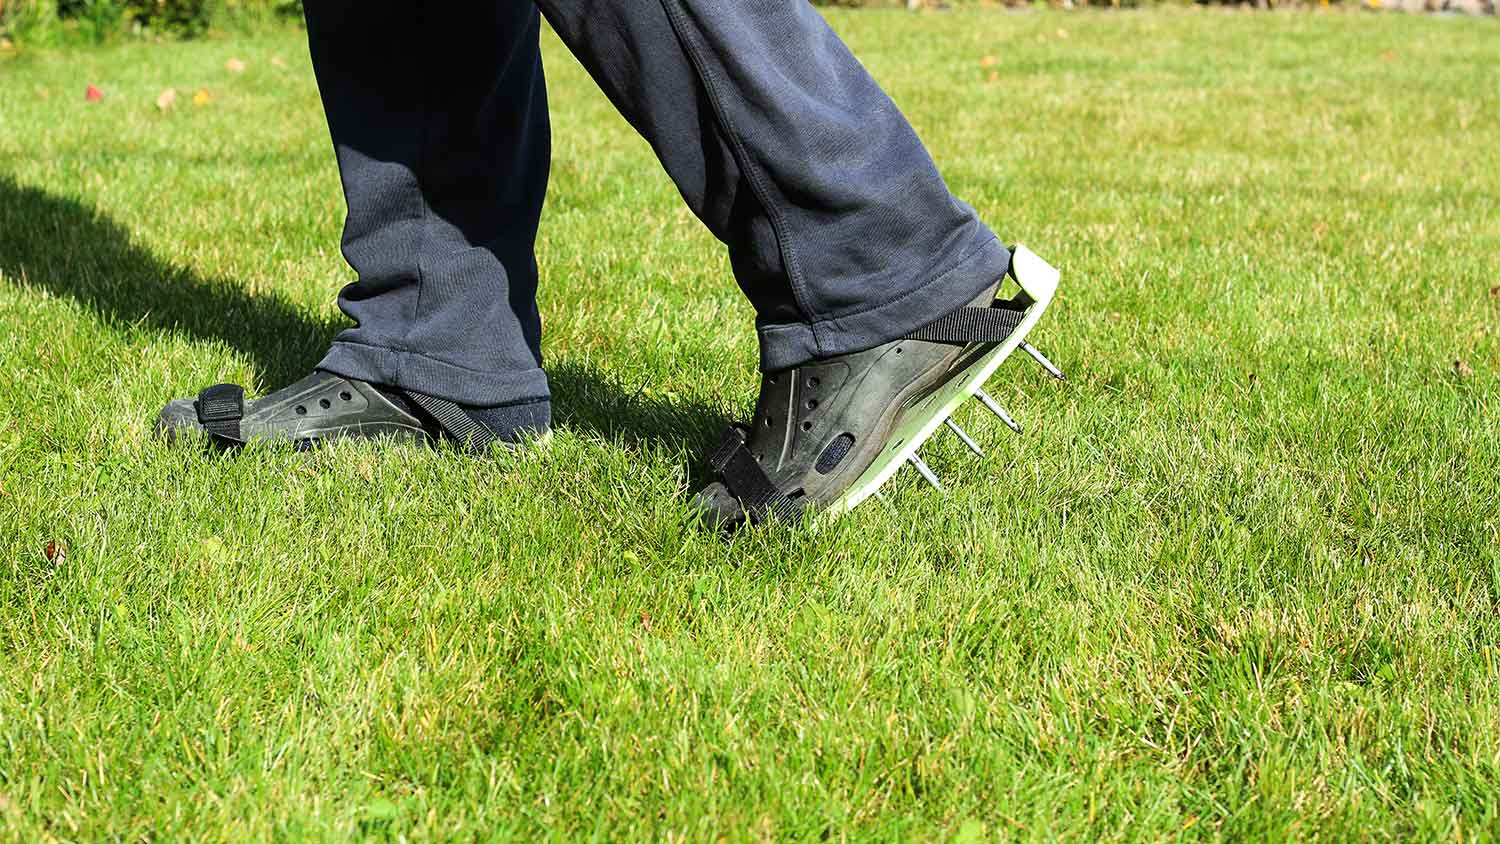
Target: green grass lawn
1239	579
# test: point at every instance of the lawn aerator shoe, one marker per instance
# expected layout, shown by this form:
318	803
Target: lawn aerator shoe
321	407
827	435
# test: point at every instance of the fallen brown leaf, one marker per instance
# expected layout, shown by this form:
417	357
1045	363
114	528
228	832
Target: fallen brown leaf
55	552
235	66
989	61
278	61
166	99
1462	369
1495	292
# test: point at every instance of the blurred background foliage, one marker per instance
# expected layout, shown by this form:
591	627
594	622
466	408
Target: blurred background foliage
71	21
44	21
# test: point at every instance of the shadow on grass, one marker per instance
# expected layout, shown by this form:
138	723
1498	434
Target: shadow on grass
72	250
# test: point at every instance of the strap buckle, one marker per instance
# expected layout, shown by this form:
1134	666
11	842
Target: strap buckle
733	441
220	409
747	481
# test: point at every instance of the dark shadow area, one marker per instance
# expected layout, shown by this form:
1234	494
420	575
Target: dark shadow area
586	400
72	250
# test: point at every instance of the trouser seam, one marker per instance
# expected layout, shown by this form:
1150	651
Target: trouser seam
742	158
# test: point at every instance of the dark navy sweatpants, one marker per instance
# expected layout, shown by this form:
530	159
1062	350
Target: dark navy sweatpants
838	226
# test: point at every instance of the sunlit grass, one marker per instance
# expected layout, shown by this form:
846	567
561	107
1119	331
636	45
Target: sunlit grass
1238	579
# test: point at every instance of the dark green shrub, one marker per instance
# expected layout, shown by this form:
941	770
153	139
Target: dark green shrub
184	18
101	19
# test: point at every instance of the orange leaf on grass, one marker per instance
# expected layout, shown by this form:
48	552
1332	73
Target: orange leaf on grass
93	94
202	98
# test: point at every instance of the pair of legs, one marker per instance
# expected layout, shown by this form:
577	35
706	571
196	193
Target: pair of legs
839	228
875	289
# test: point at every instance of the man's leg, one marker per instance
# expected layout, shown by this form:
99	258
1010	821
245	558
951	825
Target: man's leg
840	230
875	289
439	119
438	114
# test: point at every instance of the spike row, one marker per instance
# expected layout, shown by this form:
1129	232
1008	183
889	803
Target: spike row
994	407
1038	280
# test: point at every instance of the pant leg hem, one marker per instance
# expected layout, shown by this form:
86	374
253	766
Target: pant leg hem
788	345
422	374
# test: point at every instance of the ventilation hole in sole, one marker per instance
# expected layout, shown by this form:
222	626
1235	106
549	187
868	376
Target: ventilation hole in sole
325	403
807	426
768	421
812	404
835	453
812	383
346	396
301	410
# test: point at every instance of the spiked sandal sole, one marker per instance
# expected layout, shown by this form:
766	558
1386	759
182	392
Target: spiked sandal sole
916	424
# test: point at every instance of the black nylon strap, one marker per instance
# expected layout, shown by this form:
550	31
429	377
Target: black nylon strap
733	441
220	409
747	481
970	325
473	436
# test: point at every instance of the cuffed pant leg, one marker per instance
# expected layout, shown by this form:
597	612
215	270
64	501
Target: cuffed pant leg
839	227
438	115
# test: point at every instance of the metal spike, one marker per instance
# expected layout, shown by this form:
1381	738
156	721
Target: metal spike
996	409
1042	359
927	474
968	441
